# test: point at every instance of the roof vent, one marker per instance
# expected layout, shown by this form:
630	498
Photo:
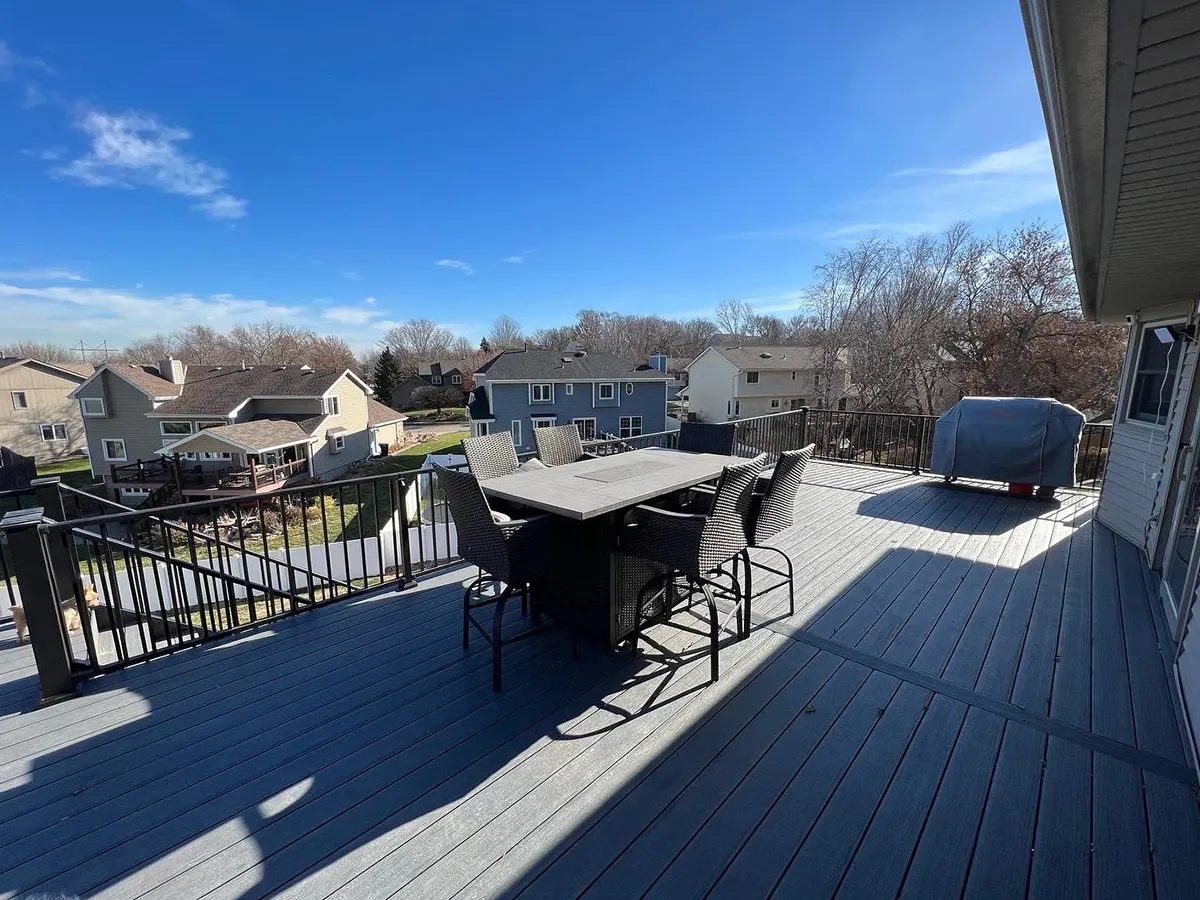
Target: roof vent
764	356
567	359
281	368
579	354
306	369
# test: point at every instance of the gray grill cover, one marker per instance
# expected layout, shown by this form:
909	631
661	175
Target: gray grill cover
1014	439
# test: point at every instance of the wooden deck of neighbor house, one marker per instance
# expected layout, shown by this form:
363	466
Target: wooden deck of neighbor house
970	701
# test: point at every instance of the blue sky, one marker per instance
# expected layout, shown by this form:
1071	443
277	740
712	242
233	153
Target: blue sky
344	166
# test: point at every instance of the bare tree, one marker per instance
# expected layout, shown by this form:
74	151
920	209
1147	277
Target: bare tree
202	345
505	333
46	352
551	338
270	344
329	352
149	350
416	341
462	348
735	316
436	397
771	329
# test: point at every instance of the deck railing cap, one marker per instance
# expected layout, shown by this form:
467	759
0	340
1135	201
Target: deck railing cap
18	518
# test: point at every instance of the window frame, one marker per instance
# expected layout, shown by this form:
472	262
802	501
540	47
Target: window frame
548	391
516	430
582	420
54	427
1137	371
333	405
569	389
24	395
629	389
162	428
612	390
630	428
84	401
456	379
435	379
339	443
124	457
753	377
776	403
543	421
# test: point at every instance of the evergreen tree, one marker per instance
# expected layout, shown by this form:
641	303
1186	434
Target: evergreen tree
387	375
484	345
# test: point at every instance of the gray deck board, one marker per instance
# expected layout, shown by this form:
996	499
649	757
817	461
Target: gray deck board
971	700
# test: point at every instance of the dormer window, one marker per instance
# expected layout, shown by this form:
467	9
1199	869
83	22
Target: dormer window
436	379
456	379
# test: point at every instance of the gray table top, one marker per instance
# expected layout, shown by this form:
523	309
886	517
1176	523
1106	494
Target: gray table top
594	487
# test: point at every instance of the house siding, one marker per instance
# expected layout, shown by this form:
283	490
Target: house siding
352	416
511	401
46	395
710	386
1133	494
125	410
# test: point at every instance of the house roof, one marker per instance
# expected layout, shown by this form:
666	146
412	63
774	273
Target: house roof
145	378
479	408
218	390
762	357
80	370
561	365
381	414
255	436
443	367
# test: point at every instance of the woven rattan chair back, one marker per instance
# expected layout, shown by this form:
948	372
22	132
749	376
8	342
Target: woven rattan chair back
491	455
724	533
703	437
558	445
778	509
479	538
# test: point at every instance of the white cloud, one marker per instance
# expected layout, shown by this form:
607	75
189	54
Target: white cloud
349	273
917	200
463	267
132	149
516	258
10	61
40	275
368	300
64	312
350	315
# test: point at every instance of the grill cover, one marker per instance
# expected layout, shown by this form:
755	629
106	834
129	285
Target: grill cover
1015	439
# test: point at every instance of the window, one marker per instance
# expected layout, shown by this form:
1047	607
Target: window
176	428
516	432
751	378
631	426
332	406
436	379
1154	378
114	449
339	443
481	428
541	393
56	432
542	421
774	404
606	391
629	387
586	427
737	407
91	406
20	401
456	379
570	389
200	426
793	375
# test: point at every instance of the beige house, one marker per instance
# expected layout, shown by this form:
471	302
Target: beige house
38	418
736	382
175	431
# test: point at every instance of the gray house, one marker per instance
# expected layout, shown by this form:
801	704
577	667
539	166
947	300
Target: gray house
445	373
601	394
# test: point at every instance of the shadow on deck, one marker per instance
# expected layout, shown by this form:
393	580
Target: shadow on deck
969	701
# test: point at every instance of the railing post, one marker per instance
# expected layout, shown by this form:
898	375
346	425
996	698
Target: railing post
41	596
920	448
400	485
803	442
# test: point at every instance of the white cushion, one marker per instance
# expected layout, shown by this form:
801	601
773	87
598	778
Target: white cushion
532	465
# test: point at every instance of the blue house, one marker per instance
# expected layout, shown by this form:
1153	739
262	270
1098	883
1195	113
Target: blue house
601	394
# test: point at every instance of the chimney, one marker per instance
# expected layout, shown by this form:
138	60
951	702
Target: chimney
659	361
171	369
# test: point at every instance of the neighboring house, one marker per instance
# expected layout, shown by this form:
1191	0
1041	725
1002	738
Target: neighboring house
601	394
230	430
387	425
1120	98
450	373
38	418
736	382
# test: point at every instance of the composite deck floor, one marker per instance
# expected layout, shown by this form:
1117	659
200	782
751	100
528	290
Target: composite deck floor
970	701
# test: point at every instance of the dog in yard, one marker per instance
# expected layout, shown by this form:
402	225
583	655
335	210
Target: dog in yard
18	614
70	612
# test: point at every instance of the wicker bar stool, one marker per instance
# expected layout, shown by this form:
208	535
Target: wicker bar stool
703	437
509	555
559	445
699	547
491	455
774	510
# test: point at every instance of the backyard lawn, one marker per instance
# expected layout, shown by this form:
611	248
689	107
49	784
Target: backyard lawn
75	472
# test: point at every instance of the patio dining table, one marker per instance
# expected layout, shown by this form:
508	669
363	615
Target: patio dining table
594	495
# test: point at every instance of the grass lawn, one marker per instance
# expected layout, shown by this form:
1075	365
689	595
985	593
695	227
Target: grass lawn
75	472
448	414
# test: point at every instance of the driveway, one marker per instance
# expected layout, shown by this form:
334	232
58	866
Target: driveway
435	427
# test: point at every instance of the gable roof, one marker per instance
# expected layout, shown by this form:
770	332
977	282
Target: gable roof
443	367
255	436
218	390
769	358
479	409
562	365
145	378
78	371
381	414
